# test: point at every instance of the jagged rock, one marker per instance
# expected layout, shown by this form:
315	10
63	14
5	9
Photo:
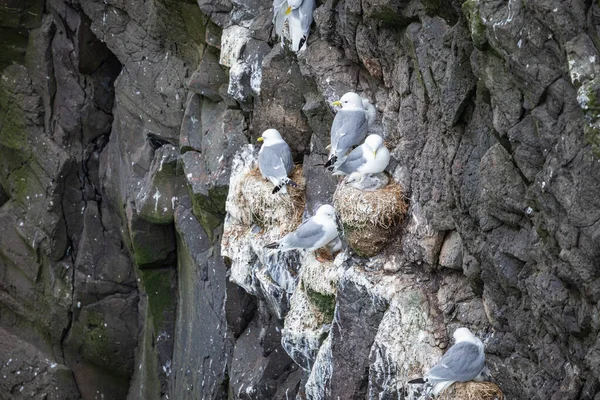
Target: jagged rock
451	255
190	137
243	55
208	77
258	371
200	329
490	139
207	173
311	311
161	188
28	373
100	345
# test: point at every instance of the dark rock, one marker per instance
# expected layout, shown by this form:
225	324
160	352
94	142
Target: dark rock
28	373
282	100
203	345
100	345
353	330
260	365
208	77
163	185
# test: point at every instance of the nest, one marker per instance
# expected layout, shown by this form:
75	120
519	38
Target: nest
473	391
267	209
369	218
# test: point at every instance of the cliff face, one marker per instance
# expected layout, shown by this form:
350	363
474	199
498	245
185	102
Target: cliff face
120	122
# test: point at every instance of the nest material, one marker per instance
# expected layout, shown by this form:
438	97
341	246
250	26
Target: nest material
370	218
267	209
473	391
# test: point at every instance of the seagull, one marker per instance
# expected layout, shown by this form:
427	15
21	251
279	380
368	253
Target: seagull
314	233
298	13
371	157
370	111
275	160
349	127
463	362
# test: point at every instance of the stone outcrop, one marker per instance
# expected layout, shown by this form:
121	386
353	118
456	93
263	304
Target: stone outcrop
127	270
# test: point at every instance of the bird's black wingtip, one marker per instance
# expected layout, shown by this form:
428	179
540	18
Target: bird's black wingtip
272	245
418	380
330	162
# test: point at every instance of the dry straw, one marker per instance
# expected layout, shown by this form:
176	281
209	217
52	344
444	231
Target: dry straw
473	391
360	209
267	209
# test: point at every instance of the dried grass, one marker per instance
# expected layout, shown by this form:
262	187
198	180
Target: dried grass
370	218
473	391
267	209
384	208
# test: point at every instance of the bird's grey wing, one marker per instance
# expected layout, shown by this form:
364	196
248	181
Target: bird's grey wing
354	160
270	163
349	129
307	234
306	15
461	363
284	152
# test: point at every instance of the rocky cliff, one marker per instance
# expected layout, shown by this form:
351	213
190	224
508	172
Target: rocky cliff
131	266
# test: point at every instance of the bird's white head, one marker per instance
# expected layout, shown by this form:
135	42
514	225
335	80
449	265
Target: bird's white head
350	101
293	4
270	136
374	142
326	211
465	335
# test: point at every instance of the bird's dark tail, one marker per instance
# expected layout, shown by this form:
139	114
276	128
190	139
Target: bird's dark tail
273	245
418	380
285	181
302	42
331	161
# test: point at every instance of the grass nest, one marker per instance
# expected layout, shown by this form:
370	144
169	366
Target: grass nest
472	391
267	209
370	218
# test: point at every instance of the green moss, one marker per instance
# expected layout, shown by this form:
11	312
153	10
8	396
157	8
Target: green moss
325	303
158	285
470	9
210	210
12	127
182	25
95	340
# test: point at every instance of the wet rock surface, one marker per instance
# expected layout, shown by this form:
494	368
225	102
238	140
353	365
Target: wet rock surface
119	127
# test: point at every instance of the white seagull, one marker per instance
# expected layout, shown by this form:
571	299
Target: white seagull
349	127
463	362
275	160
371	157
314	233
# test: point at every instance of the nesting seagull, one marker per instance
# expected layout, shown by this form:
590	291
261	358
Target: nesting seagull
463	362
298	13
371	157
349	127
275	160
314	233
370	111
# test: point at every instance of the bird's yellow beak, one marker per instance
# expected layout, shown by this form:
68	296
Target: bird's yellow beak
261	139
288	11
375	153
337	103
